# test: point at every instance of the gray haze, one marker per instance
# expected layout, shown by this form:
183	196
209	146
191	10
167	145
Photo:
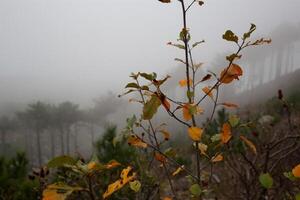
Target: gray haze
77	50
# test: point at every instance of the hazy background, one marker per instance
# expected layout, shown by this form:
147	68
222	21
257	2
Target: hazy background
56	50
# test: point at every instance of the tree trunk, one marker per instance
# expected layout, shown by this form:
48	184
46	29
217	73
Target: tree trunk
92	133
62	145
52	143
3	133
68	141
75	137
39	146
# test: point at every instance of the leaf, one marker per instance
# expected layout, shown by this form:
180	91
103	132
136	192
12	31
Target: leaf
150	107
229	105
183	82
167	198
251	30
297	197
249	143
178	170
58	191
135	141
296	171
200	3
132	85
230	36
232	57
290	176
180	46
179	60
112	164
217	158
195	133
197	43
203	148
60	161
207	90
266	180
195	189
230	73
188	110
135	185
149	77
206	77
234	120
166	134
226	133
159	157
215	137
124	179
165	1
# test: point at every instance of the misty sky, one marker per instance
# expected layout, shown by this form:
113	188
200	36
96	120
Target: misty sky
79	49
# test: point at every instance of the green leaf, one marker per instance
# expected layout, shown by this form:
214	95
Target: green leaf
150	108
60	161
190	94
149	77
132	85
195	190
232	57
230	36
197	43
290	176
297	197
216	137
234	120
266	180
135	185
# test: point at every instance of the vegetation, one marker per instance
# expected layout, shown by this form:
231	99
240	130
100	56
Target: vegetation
233	154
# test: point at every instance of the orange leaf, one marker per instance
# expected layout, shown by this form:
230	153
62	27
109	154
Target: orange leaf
207	90
189	109
230	105
159	157
195	133
167	198
296	171
231	73
186	112
135	141
226	133
183	82
112	164
92	165
249	143
217	158
119	183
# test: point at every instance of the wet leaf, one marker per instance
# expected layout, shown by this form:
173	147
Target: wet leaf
183	82
178	170
234	120
58	191
230	36
159	157
217	158
135	185
132	85
195	190
207	90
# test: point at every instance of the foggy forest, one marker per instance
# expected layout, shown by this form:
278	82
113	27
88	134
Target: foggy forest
149	100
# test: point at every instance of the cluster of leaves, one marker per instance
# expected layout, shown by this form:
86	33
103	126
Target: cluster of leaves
14	183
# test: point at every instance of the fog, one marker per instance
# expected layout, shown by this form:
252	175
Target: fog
78	50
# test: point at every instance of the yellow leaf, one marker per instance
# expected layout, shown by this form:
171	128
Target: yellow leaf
226	133
178	170
189	109
207	90
166	134
217	158
135	141
183	82
231	73
167	198
113	187
92	165
58	191
195	133
112	164
296	171
249	143
229	105
203	148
